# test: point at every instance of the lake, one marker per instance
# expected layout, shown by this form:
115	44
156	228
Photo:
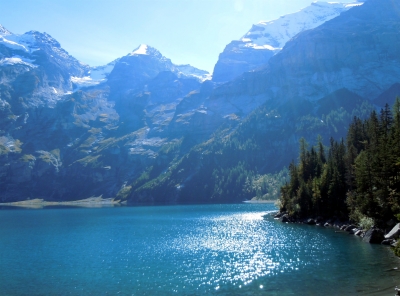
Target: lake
183	250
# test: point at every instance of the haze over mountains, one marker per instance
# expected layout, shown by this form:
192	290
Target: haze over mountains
143	129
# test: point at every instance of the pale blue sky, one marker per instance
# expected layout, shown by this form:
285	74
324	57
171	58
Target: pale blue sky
186	31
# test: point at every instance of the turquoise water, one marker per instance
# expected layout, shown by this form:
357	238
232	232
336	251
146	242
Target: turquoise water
183	250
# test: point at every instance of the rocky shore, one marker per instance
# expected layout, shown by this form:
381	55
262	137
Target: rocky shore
372	235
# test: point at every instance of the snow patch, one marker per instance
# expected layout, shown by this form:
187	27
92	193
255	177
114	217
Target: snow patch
84	81
190	71
17	60
102	72
274	34
25	42
266	46
141	50
96	75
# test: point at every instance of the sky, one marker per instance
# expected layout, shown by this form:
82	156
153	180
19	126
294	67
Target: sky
186	31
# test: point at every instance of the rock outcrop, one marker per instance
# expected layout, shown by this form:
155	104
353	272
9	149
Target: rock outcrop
373	236
394	233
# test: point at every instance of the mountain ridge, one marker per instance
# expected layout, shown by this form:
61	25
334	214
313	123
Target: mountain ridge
265	39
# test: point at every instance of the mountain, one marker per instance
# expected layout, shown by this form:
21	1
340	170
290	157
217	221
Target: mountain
37	66
265	39
143	63
316	84
357	50
69	131
389	96
145	130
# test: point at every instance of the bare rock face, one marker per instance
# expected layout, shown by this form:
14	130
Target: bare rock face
138	67
358	50
394	233
21	171
374	236
343	53
237	59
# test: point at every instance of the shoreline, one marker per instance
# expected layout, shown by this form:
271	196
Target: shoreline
386	285
37	203
251	201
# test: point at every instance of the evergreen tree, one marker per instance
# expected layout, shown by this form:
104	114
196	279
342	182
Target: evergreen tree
359	178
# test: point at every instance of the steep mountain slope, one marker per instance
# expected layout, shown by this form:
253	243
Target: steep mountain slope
315	85
228	167
68	131
358	50
265	39
145	130
36	65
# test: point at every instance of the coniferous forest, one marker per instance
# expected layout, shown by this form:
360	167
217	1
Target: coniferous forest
357	178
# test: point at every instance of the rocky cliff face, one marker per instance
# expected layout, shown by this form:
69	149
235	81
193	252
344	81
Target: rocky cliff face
266	39
358	50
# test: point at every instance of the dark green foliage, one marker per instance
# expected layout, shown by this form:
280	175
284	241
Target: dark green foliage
396	249
244	161
266	187
317	182
342	98
358	178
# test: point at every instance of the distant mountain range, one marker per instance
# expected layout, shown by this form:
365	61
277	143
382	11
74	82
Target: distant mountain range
143	129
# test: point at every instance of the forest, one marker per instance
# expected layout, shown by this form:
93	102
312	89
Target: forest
247	159
356	178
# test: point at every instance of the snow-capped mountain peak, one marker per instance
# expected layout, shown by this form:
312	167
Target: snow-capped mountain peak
274	34
40	51
267	38
142	49
42	38
4	31
28	42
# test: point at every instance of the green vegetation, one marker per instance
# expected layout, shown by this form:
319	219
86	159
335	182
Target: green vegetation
266	187
91	161
17	146
46	156
396	250
56	153
123	193
244	160
27	158
358	178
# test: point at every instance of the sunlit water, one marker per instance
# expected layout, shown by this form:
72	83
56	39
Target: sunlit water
183	250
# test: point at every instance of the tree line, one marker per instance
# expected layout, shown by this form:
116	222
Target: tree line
357	177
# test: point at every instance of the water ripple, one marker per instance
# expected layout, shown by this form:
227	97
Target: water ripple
185	250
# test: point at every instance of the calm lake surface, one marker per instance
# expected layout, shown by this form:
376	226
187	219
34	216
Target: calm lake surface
183	250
